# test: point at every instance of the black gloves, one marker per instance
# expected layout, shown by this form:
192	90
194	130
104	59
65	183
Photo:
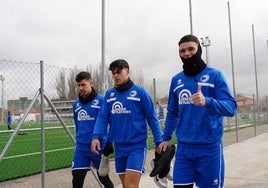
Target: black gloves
108	149
162	162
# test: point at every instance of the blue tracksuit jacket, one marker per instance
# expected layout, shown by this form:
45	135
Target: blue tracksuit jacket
195	124
85	116
128	113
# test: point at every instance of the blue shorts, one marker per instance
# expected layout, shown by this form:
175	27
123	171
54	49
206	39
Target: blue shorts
82	160
202	165
130	157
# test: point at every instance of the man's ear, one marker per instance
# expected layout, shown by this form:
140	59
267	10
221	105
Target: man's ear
91	82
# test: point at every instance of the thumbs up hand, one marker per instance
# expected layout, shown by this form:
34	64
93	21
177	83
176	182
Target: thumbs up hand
198	98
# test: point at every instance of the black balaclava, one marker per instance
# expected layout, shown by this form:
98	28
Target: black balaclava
193	65
89	97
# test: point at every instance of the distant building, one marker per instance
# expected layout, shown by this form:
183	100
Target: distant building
22	104
245	104
243	100
18	108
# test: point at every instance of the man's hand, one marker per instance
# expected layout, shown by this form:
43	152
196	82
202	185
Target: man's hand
95	146
162	147
198	98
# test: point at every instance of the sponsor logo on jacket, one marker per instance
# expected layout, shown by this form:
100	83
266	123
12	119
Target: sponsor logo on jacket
83	116
118	108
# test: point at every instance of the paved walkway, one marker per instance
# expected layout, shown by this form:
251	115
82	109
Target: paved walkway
246	165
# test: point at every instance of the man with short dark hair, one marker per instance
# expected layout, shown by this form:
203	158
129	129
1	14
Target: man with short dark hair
127	109
85	110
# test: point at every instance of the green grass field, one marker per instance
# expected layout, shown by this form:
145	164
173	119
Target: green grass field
24	157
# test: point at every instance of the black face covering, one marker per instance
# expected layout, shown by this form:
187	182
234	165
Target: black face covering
193	65
89	97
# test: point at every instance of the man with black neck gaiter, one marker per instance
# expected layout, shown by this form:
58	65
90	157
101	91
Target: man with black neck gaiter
128	109
85	111
199	98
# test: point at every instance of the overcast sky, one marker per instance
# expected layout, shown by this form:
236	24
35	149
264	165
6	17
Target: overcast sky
66	33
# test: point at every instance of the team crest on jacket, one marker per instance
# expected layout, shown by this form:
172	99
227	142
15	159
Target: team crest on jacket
133	96
185	97
204	78
95	102
118	108
83	116
133	93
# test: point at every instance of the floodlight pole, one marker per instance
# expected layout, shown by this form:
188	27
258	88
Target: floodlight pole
267	44
191	19
256	76
206	43
103	82
232	63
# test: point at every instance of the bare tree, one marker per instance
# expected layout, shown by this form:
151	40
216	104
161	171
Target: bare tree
138	77
109	79
72	91
67	90
61	85
96	75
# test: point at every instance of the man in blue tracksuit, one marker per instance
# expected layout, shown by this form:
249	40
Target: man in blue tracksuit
85	110
198	99
127	109
9	120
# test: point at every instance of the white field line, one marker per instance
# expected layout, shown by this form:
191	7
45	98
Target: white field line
36	153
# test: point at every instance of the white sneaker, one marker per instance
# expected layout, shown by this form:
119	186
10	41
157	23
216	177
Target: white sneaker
104	166
160	182
170	173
